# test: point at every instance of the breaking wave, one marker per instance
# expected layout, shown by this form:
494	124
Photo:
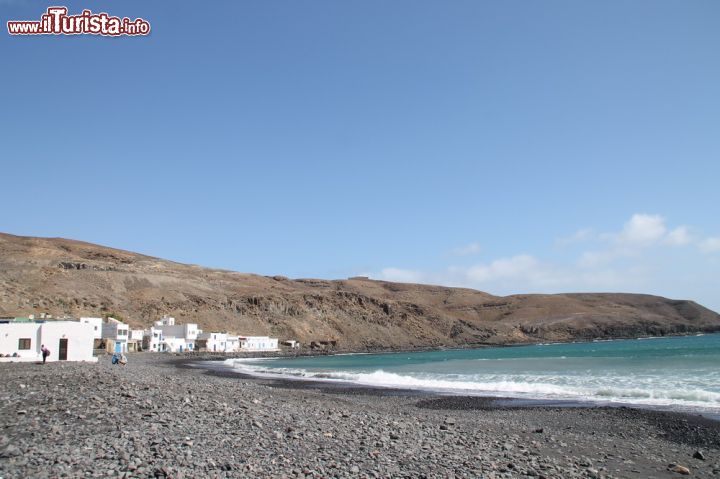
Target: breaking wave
677	373
596	389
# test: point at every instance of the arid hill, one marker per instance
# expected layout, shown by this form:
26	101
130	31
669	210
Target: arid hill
66	277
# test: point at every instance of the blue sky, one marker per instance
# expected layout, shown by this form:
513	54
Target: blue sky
507	146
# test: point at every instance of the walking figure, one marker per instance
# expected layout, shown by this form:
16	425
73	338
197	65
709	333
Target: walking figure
45	352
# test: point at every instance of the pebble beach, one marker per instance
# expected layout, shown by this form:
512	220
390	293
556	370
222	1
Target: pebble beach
165	417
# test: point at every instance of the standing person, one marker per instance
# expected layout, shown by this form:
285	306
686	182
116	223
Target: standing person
45	352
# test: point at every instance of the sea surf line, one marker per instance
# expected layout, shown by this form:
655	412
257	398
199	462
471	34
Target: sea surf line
677	373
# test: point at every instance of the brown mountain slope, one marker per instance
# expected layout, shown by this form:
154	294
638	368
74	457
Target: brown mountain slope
62	276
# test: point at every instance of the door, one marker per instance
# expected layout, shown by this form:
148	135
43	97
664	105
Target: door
62	350
118	347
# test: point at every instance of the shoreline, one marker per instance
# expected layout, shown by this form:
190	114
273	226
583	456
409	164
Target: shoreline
285	353
436	400
450	400
509	399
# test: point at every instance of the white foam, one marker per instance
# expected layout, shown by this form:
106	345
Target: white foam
644	391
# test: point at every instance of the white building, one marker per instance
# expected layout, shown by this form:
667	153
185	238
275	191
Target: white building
152	340
258	343
116	334
233	342
135	340
166	336
66	340
220	342
96	324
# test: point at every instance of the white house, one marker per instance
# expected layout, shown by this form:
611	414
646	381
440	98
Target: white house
152	339
233	342
258	343
96	324
136	334
66	340
224	342
166	336
220	342
135	340
116	334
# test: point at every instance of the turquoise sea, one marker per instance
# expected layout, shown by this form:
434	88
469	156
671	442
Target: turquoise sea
679	373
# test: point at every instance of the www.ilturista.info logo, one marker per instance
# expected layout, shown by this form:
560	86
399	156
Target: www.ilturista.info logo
57	22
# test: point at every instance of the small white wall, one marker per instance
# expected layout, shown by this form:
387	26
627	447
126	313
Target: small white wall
10	334
80	338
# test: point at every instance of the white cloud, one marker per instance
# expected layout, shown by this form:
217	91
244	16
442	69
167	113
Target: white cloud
400	275
521	274
642	229
710	245
640	232
642	256
590	259
625	260
467	250
579	236
679	236
505	268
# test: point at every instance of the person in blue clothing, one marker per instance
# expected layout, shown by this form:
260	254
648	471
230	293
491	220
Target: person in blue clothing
119	358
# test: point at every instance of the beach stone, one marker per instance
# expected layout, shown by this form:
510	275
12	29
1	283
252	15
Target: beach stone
699	455
679	469
10	451
372	435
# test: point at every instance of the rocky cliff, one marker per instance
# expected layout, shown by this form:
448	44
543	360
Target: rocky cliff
66	277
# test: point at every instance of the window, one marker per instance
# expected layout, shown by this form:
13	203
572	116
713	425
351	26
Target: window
24	343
